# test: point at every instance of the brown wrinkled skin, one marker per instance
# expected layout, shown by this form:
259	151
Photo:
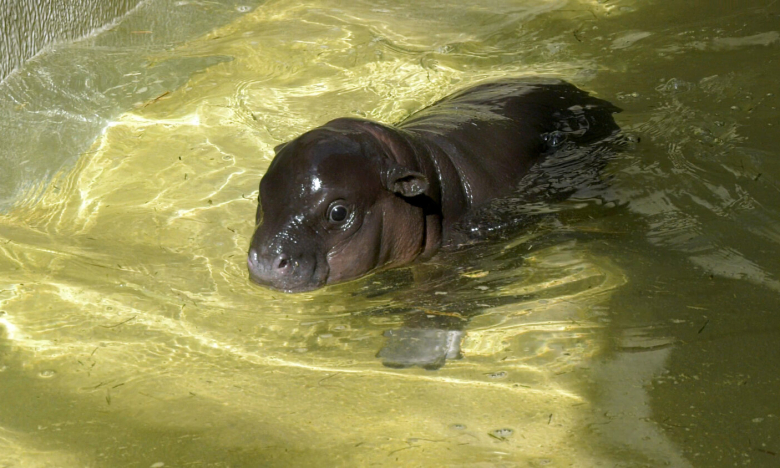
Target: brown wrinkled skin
403	188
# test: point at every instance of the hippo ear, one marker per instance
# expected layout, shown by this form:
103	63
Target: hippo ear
280	147
404	182
397	179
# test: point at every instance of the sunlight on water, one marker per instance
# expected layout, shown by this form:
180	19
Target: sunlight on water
132	335
127	284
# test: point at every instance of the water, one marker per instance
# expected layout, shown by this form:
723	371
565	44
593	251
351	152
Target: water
637	328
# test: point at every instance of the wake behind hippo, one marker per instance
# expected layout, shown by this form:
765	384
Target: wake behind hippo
356	196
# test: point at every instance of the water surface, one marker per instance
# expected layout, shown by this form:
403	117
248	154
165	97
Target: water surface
638	327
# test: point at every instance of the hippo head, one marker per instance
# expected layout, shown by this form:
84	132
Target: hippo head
335	204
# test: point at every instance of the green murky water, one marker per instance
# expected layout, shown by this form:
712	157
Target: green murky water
640	328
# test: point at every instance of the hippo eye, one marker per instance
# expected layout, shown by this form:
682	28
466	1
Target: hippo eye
337	213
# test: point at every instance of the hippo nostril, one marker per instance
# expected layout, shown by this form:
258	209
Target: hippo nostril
282	262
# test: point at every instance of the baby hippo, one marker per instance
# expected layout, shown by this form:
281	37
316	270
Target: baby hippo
356	196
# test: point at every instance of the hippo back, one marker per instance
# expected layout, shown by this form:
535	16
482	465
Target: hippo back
485	139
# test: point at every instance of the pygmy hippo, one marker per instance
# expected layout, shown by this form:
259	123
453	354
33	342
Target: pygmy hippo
355	196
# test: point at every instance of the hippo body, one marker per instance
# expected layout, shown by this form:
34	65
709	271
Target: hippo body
355	196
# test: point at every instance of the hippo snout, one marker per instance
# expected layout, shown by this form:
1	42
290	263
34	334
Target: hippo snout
285	272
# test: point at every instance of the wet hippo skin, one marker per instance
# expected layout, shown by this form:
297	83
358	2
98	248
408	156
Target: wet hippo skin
355	196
